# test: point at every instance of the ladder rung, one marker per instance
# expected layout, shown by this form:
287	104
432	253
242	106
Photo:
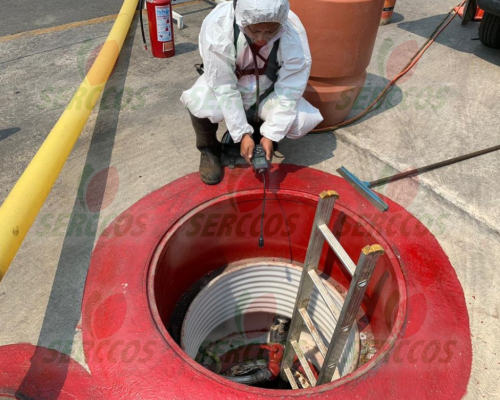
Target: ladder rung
314	332
337	248
304	363
291	379
323	292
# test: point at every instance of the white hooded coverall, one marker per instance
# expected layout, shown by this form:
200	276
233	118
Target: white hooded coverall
218	94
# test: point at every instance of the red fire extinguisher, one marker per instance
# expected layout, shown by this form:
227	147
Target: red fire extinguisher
160	23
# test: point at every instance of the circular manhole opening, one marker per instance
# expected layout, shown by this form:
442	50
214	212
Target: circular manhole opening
219	238
233	320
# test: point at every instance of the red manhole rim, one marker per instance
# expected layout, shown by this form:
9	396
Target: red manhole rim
356	374
122	260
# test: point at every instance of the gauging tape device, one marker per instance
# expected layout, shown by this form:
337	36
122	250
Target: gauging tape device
259	161
261	166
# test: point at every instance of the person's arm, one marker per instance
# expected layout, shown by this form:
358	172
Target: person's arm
219	59
292	81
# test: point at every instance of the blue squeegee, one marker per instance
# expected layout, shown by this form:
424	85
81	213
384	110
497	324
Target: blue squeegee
364	188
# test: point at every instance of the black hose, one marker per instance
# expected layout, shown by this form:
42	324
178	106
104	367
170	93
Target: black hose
260	376
141	7
256	120
261	238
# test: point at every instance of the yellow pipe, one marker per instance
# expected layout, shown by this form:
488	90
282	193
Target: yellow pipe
20	208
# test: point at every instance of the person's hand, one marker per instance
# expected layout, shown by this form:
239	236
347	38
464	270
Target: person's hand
247	146
267	145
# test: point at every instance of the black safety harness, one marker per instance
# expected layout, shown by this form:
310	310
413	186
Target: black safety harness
270	69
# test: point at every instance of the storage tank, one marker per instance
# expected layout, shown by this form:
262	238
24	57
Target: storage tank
341	36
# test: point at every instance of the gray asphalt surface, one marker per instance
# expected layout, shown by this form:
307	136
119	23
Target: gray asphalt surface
26	15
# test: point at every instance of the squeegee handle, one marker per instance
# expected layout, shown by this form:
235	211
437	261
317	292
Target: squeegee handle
417	171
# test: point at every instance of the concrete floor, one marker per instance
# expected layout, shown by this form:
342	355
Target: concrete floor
446	107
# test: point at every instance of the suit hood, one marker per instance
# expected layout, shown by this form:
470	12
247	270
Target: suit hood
249	12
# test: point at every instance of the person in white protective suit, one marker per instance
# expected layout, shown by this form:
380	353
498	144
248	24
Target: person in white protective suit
233	39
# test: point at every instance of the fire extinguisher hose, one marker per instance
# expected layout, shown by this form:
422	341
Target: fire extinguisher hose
141	7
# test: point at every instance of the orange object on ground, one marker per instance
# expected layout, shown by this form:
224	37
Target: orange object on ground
387	12
477	17
341	37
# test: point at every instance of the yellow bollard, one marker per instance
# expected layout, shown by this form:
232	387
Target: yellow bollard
20	208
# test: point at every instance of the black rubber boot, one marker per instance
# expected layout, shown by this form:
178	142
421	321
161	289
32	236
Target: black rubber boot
210	148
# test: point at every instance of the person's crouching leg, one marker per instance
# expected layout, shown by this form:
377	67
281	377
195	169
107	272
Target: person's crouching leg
306	119
210	148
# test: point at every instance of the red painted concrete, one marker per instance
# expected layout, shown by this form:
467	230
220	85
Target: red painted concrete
414	302
419	313
32	372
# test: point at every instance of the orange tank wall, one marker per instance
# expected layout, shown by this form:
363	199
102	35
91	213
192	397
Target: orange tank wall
341	36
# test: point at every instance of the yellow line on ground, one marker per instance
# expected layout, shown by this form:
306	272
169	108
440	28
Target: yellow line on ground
72	25
58	28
